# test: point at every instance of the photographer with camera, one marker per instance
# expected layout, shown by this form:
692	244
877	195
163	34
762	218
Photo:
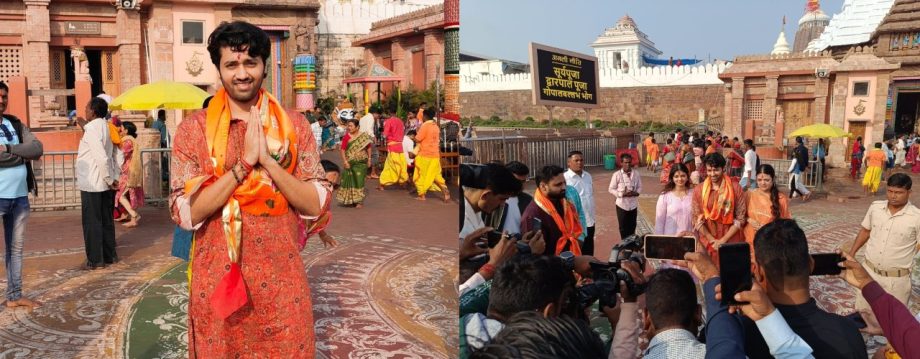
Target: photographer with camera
485	189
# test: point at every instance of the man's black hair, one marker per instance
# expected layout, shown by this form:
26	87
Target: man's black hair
625	155
239	36
529	283
206	102
429	113
576	152
530	335
161	114
878	145
329	166
714	159
547	173
671	299
518	168
900	180
781	249
411	133
749	142
494	177
4	87
99	106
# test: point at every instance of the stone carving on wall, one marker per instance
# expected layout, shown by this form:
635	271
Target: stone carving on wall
194	66
303	35
80	65
859	109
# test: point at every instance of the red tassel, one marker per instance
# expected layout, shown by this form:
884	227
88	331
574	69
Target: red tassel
230	294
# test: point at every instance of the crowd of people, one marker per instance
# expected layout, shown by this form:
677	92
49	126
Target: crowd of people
413	150
527	261
894	155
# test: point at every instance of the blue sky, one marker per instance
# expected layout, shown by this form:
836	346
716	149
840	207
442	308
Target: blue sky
718	29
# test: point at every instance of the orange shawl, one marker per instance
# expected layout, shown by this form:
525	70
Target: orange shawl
567	222
256	195
722	209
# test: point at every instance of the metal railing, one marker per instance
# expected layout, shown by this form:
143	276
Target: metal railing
812	177
538	153
56	178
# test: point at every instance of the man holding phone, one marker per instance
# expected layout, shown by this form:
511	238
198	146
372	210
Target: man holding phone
485	188
558	217
782	269
891	234
626	185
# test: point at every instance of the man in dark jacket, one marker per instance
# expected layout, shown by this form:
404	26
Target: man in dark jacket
18	148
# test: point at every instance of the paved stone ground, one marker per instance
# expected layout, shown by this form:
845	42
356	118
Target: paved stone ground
388	290
828	224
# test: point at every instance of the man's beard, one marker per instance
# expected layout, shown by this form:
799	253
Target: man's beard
252	94
555	196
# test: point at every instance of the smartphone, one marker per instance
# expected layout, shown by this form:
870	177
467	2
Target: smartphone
492	238
536	224
668	247
826	263
735	271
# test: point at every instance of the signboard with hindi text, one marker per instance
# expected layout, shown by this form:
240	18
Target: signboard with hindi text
563	78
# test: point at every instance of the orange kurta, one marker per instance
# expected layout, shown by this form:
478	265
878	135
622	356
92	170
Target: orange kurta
277	321
717	228
760	213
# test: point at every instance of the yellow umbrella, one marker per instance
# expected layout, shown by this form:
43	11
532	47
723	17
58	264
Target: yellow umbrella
161	94
820	130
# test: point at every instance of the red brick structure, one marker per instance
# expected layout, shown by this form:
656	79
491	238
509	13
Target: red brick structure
411	45
71	50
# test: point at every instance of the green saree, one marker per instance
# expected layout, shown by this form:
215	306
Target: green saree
352	188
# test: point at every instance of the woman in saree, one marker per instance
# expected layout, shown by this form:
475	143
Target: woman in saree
913	156
130	195
356	155
764	204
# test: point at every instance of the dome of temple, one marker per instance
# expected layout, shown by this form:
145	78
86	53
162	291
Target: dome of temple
781	46
626	22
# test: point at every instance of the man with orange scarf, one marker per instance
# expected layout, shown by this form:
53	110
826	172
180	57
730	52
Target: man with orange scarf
558	216
245	173
719	208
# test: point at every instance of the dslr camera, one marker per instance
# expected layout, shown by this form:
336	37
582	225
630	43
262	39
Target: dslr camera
606	277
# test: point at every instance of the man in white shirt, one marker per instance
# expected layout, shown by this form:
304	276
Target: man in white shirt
97	181
750	165
317	128
408	146
485	189
626	185
368	125
581	180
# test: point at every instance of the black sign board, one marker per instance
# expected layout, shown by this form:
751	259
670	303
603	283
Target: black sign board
563	78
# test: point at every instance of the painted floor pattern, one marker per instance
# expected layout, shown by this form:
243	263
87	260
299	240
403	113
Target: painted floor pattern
373	297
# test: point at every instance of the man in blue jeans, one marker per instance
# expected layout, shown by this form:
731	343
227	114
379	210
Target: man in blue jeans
18	148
